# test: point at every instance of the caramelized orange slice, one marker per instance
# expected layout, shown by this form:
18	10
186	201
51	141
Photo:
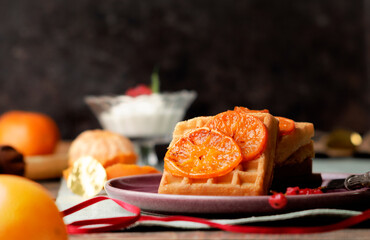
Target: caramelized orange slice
248	131
202	153
286	126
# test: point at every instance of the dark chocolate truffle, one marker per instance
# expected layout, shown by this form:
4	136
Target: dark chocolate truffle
11	161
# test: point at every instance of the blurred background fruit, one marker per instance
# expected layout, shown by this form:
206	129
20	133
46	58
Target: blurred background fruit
28	211
31	133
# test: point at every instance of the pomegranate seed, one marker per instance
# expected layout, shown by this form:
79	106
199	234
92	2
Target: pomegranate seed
304	191
292	191
317	191
278	201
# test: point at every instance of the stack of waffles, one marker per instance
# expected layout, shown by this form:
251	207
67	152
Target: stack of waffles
249	178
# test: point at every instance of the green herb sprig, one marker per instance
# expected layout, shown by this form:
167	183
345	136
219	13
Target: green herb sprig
155	80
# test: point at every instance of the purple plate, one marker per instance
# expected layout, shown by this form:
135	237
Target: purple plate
141	191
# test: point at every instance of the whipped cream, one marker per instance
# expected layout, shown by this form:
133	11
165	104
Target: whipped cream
146	116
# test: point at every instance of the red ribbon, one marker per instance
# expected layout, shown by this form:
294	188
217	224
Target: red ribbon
119	223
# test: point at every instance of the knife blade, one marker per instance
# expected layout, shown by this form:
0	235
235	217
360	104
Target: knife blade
352	182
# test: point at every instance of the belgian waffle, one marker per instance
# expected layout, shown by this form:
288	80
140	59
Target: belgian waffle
248	178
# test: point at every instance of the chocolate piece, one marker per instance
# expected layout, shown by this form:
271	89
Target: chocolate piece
11	161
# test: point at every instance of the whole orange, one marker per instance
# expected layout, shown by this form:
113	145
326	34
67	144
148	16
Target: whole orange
31	133
28	211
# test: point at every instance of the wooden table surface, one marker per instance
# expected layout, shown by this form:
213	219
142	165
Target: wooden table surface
352	234
358	232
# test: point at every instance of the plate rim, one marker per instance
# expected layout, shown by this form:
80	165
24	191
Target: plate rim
255	205
211	197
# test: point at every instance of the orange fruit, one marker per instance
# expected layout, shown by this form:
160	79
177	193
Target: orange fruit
202	153
30	133
247	131
123	170
28	211
286	126
105	146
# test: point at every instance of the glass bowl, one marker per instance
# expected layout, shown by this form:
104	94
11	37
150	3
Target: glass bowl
145	119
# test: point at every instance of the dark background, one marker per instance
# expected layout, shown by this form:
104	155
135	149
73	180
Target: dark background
307	60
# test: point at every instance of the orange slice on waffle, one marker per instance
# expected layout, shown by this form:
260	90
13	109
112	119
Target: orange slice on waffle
248	131
203	153
286	126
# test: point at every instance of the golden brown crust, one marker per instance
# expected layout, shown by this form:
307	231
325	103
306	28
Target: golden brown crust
248	178
105	146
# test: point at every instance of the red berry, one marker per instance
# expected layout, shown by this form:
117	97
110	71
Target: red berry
304	191
278	201
316	191
292	191
140	89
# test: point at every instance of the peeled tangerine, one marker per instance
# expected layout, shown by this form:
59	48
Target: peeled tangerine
105	146
28	211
